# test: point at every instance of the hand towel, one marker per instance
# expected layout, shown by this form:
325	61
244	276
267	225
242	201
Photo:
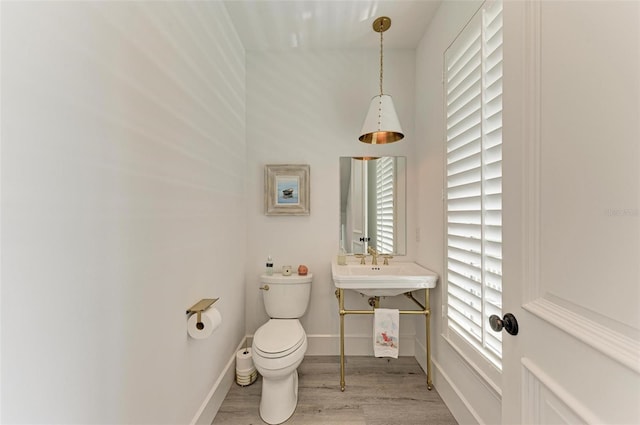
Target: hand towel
386	332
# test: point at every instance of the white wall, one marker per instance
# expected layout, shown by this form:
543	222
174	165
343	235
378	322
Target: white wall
123	203
468	395
307	107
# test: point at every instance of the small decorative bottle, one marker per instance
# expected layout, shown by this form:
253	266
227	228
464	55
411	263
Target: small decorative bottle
269	268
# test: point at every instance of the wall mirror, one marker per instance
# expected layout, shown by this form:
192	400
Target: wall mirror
373	205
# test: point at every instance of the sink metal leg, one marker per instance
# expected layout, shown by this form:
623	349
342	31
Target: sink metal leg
424	309
340	293
427	325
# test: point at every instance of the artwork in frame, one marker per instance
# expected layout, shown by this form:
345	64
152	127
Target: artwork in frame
286	189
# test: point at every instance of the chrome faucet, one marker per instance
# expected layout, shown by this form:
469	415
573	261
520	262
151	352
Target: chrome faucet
374	256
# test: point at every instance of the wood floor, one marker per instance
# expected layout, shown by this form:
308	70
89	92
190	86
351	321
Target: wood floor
378	392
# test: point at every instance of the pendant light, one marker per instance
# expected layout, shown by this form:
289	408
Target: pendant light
381	124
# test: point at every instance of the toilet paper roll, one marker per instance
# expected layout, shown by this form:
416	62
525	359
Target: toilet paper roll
244	360
210	318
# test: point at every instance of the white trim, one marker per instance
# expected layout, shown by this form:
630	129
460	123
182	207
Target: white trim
463	400
211	404
354	345
447	388
533	378
613	344
493	387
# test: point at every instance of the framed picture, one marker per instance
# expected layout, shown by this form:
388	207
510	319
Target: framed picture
286	189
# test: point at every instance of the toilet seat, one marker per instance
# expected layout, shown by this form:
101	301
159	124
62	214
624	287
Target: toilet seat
278	338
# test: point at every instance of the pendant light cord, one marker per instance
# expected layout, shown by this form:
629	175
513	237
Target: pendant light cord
381	31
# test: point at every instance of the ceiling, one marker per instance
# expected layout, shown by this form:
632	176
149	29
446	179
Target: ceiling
328	24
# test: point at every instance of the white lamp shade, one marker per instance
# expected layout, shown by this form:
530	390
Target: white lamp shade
381	124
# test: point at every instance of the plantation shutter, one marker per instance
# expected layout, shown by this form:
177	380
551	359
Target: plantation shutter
473	79
385	201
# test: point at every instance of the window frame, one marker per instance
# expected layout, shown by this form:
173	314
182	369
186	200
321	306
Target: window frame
475	355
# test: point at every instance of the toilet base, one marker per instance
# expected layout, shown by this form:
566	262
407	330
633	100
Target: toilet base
279	398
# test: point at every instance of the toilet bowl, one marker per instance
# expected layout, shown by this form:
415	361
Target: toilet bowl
278	349
280	344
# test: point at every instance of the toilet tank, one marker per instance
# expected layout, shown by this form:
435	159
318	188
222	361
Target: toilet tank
287	296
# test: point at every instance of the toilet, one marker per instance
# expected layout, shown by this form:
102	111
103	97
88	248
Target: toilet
280	344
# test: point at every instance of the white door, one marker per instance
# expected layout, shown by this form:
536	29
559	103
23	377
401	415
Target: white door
571	212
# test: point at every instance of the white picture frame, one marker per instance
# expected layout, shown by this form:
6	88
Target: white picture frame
286	189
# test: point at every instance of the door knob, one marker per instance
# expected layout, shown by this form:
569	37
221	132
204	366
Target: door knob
508	323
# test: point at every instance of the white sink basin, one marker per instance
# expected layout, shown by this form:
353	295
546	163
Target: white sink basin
394	279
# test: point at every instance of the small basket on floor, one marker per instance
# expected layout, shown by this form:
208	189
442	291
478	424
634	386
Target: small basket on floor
246	373
245	378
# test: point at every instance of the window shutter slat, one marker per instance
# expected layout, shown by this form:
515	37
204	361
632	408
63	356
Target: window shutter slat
473	78
385	201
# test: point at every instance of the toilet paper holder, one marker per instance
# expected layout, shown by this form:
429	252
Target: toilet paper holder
199	307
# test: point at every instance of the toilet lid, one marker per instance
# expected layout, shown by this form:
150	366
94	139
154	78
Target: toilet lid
279	337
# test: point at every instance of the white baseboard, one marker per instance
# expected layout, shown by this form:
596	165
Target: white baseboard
452	397
421	354
218	392
354	345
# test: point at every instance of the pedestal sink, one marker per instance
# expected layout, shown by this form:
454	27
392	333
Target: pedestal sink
382	280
